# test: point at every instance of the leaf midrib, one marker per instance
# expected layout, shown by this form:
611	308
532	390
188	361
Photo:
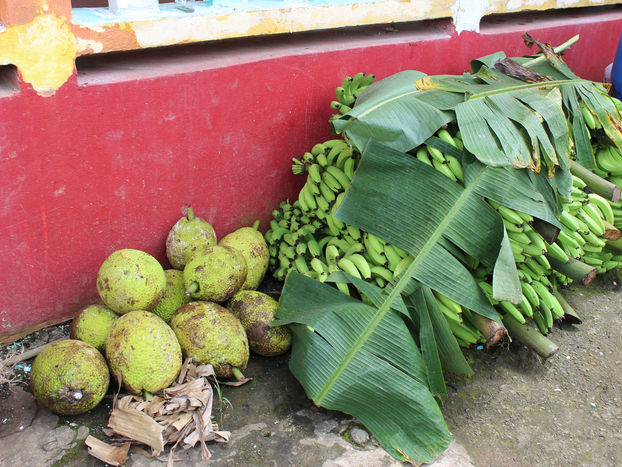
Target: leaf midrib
512	88
397	290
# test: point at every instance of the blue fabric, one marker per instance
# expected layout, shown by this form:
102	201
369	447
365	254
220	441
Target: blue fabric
616	72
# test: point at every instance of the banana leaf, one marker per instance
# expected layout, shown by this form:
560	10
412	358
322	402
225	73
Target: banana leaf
577	92
362	358
383	111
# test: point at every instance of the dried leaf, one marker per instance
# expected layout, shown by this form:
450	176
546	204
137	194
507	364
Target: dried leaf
139	426
182	420
113	455
183	371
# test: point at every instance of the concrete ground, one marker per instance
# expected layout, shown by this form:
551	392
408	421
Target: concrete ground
517	410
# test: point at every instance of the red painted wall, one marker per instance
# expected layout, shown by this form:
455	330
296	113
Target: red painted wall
108	161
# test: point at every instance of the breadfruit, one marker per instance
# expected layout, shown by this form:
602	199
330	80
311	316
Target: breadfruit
130	280
189	235
69	377
174	295
92	325
143	352
210	334
215	274
256	310
250	242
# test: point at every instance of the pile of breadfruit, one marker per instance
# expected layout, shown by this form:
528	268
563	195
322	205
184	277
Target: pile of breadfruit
206	309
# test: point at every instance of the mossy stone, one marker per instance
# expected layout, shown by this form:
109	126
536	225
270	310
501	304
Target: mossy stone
174	295
211	334
215	274
250	242
130	280
143	352
256	311
69	377
92	325
189	235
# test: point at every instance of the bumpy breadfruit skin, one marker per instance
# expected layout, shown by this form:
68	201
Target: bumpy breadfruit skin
143	352
130	280
187	237
256	310
174	295
69	377
210	334
92	325
219	272
251	244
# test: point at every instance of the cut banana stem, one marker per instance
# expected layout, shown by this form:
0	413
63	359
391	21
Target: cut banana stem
615	245
530	337
611	232
492	331
548	231
574	269
570	315
595	183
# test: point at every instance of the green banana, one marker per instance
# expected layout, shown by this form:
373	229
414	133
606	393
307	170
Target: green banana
339	175
444	169
422	155
361	264
603	206
380	271
348	266
511	309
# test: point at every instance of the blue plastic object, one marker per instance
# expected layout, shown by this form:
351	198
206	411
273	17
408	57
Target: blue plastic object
616	71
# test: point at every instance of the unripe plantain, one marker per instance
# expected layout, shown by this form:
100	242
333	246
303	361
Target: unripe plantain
69	377
211	334
92	325
189	235
250	242
174	295
256	310
130	280
215	274
143	352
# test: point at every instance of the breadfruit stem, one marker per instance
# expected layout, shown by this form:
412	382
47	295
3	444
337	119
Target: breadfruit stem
148	395
256	225
192	288
237	374
190	214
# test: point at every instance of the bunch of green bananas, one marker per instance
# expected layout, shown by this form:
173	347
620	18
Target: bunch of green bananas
351	87
306	236
444	163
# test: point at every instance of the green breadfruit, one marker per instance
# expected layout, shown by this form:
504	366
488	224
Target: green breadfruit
215	274
189	235
92	325
256	310
69	377
250	242
130	280
143	352
210	334
174	295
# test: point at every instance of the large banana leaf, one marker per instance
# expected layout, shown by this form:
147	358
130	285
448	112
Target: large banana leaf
362	358
384	112
575	92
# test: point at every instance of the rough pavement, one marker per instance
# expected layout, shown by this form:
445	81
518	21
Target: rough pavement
516	410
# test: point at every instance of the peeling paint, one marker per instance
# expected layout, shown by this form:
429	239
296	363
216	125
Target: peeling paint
468	13
86	44
44	48
44	51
